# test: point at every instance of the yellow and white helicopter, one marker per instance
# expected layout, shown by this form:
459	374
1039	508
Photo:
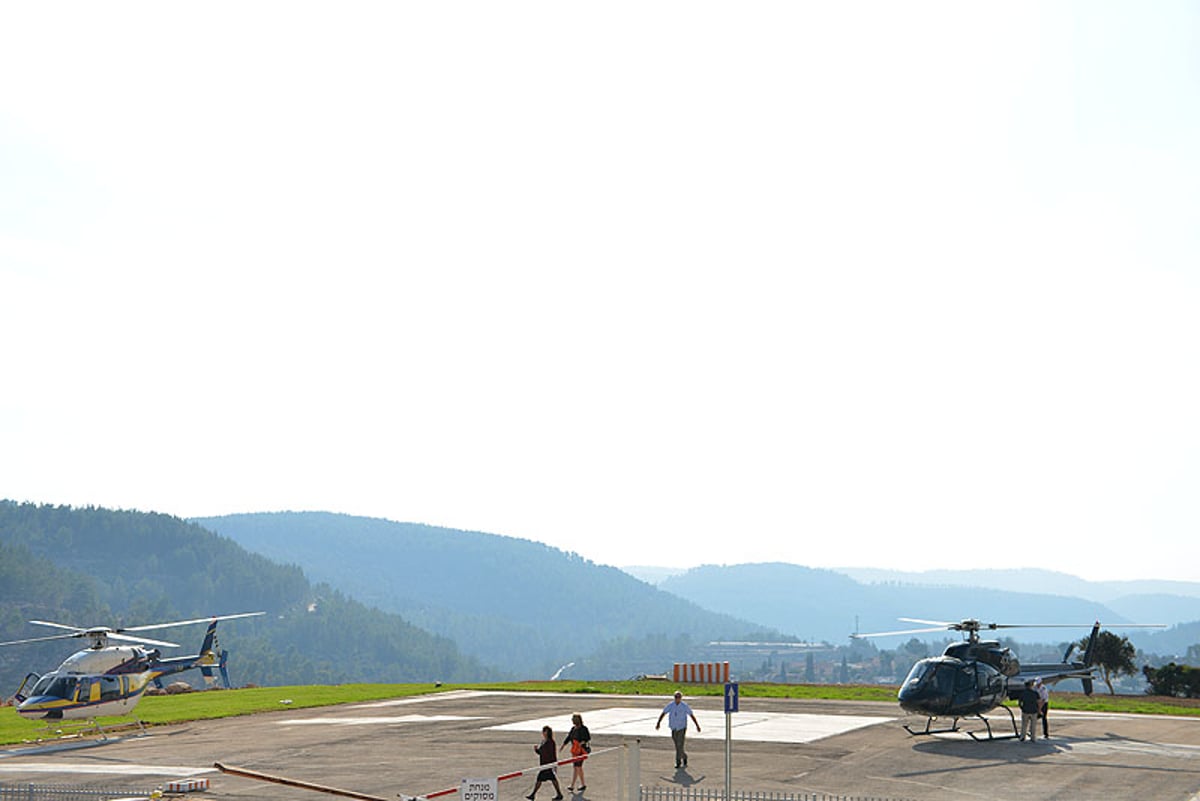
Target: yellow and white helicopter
108	679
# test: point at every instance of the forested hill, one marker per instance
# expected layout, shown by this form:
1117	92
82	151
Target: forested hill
91	566
508	601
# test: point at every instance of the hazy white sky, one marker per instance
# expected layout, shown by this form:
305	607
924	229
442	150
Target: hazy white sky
877	284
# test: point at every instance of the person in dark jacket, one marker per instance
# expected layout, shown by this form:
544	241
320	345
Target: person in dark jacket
580	740
547	755
1030	703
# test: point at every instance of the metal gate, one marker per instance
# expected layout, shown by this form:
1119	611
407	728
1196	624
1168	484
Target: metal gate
50	792
698	794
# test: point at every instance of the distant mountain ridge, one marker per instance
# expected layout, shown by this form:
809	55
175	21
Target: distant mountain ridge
827	605
507	601
1035	580
408	602
482	590
1173	603
817	604
652	575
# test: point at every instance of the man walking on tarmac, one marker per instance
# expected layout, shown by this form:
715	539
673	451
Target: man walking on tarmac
677	714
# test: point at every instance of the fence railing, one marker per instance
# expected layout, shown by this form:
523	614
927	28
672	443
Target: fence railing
699	794
50	792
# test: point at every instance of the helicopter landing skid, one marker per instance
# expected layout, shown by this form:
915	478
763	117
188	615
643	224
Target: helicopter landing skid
953	728
928	731
990	735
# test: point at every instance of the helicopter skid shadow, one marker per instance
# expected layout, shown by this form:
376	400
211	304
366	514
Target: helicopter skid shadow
1018	752
997	750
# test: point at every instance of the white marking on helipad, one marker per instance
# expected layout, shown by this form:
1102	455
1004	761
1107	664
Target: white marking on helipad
1131	747
112	769
763	727
340	720
449	695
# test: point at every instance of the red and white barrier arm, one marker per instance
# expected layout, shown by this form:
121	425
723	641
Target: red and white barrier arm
266	777
516	773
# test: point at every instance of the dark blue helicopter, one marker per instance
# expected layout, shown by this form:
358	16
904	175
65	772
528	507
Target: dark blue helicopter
975	676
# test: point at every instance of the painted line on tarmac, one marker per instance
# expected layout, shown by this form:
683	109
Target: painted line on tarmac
449	695
341	720
54	748
765	727
1074	713
110	769
1131	747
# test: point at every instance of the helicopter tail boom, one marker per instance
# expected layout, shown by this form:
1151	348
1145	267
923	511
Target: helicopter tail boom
205	659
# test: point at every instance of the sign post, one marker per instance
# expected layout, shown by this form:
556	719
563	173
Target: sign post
731	706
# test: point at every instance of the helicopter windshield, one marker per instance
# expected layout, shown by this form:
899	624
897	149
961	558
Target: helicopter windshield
57	686
930	677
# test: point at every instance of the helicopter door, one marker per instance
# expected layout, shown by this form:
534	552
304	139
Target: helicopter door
110	688
965	685
30	680
991	682
88	690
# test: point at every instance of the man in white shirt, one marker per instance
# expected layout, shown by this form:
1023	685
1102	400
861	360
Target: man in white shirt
677	714
1043	704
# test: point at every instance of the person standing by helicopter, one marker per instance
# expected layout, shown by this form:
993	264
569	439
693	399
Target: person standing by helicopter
1043	704
1029	702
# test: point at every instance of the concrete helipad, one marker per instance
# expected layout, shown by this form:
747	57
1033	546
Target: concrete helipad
760	727
851	749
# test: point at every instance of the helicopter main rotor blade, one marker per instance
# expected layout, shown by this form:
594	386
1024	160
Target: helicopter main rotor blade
52	624
896	633
142	640
1069	625
972	623
42	639
973	626
938	623
189	622
78	632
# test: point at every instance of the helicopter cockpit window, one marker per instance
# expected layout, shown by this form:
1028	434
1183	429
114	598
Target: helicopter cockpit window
935	676
966	678
913	678
42	686
110	688
62	687
943	680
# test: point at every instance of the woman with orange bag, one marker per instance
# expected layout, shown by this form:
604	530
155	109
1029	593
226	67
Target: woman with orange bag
580	740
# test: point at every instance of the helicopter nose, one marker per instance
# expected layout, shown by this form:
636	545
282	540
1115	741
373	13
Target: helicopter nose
913	701
916	693
39	708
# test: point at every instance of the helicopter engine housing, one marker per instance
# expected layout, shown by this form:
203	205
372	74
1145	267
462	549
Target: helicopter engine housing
990	652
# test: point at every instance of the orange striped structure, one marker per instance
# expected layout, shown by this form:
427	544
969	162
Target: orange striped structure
701	672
